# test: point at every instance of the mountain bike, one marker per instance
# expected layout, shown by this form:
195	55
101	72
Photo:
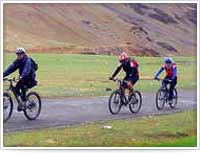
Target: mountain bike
162	95
118	99
33	103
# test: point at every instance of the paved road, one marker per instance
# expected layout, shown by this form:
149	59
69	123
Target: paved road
68	111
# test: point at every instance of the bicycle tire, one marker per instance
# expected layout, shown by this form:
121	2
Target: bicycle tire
132	104
115	93
11	106
158	97
26	113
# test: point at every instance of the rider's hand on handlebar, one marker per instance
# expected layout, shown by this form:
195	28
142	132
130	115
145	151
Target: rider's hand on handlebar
4	79
155	78
111	78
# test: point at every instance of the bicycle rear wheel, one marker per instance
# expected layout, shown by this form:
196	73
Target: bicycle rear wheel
114	103
160	99
174	99
7	106
136	102
33	106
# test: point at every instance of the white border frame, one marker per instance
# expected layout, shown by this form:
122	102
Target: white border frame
1	77
104	148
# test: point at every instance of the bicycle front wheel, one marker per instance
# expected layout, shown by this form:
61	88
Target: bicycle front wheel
33	106
114	103
7	107
136	102
160	99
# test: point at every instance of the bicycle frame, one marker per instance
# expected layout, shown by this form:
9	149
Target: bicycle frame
12	88
165	88
122	91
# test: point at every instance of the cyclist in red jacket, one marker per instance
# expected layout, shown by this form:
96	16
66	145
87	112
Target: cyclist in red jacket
171	74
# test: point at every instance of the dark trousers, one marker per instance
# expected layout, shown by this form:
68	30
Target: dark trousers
133	80
172	86
22	85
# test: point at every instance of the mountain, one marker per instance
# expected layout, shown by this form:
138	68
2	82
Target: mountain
139	29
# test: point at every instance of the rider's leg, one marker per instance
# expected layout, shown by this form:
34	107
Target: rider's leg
164	81
23	94
172	85
130	87
20	87
131	84
124	84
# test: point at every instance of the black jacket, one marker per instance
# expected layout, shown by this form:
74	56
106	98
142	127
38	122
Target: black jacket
130	67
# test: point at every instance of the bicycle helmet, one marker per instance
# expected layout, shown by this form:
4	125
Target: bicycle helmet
20	50
168	60
123	56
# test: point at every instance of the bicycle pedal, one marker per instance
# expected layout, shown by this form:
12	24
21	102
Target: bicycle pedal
20	108
170	102
124	103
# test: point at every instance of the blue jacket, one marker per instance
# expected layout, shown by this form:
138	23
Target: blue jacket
25	66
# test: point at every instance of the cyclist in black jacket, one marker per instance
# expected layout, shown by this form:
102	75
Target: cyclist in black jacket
130	66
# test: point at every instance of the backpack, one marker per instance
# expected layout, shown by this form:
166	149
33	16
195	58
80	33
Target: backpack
35	65
134	62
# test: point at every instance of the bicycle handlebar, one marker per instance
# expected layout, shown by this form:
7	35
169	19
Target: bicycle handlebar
119	80
158	79
10	80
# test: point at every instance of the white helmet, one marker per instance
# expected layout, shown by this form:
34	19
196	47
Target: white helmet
123	57
20	50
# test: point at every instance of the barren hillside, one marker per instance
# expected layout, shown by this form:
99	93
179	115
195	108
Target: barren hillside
140	29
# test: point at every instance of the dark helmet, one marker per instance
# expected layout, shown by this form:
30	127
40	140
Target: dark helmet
168	60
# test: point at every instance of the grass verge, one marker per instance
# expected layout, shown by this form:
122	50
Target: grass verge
174	130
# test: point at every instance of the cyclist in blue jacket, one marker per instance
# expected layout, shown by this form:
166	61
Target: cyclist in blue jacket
26	74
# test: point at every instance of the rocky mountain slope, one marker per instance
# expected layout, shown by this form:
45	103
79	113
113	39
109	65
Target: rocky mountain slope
140	29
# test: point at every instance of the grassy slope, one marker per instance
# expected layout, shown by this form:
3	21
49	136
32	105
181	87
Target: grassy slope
177	130
63	75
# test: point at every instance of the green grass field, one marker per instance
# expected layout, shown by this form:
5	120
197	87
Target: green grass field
175	130
62	75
